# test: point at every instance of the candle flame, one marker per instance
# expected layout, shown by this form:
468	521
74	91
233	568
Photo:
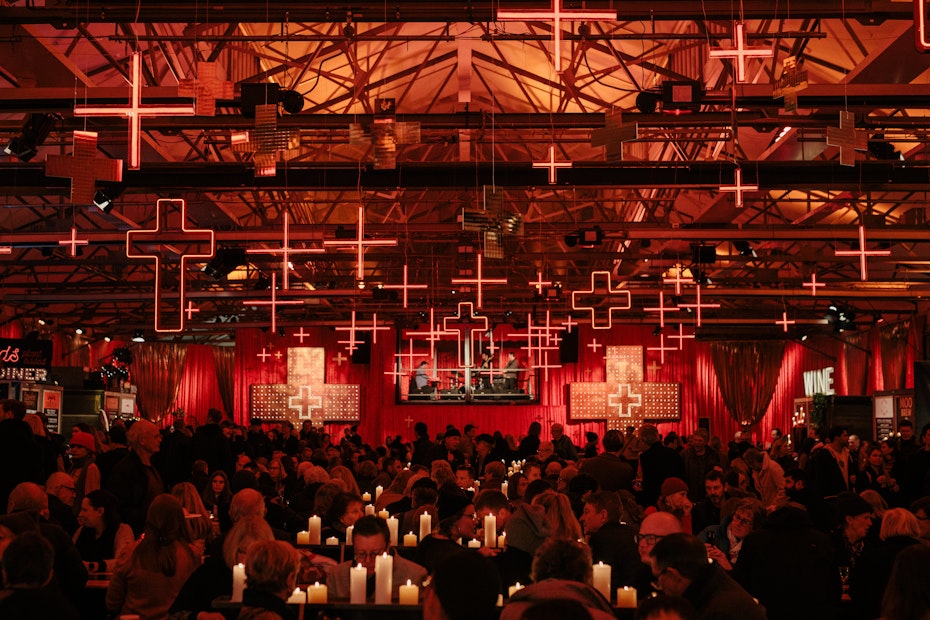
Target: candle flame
408	582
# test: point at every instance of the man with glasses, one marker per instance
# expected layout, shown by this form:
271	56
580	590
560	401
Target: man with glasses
653	528
370	539
60	490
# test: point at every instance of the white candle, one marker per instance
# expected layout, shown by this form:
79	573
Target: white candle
474	543
410	540
317	594
601	580
490	531
332	541
369	509
513	588
392	530
626	597
384	514
357	578
366	497
238	583
297	597
314	526
408	594
502	540
500	600
426	525
504	486
303	538
471	490
378	490
349	531
384	577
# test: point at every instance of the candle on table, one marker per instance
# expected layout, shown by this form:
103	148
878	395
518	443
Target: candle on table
502	540
378	490
303	538
513	588
332	541
238	583
369	509
366	497
297	597
474	543
410	540
349	531
317	593
357	583
392	530
504	486
314	526
490	531
426	525
384	577
500	600
408	594
626	597
601	580
384	514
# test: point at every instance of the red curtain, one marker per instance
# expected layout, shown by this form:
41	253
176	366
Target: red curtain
894	345
856	352
157	369
198	387
224	359
747	373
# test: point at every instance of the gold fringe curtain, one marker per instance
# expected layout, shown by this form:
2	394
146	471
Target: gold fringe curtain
224	361
747	372
156	370
894	341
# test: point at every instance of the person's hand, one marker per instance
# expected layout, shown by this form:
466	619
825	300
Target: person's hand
488	552
718	556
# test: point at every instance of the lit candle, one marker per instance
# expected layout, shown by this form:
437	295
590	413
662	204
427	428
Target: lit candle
408	594
238	583
384	514
471	490
297	597
410	540
303	538
369	509
384	577
626	597
504	486
601	580
314	526
474	543
513	588
317	594
392	530
502	540
500	600
426	525
378	490
366	497
490	531
332	541
357	578
349	531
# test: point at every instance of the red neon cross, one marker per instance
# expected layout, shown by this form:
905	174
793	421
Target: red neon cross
191	310
360	243
351	342
539	283
301	334
569	323
681	337
594	345
135	111
264	355
339	358
613	294
813	284
784	322
161	245
480	281
434	334
465	354
662	348
677	280
73	241
847	138
273	303
265	141
305	404
286	251
405	286
739	188
662	309
552	165
206	89
740	52
863	254
614	134
698	306
83	167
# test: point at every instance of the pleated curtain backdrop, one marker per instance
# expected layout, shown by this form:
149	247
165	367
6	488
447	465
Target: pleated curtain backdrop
747	372
894	342
157	369
224	361
856	351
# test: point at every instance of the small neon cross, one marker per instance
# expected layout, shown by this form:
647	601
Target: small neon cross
784	322
539	284
479	280
662	309
73	241
339	358
273	303
286	251
301	334
360	243
191	310
681	336
594	345
654	367
612	293
406	286
739	188
813	284
84	167
264	355
434	334
662	348
698	306
863	254
739	52
552	165
569	323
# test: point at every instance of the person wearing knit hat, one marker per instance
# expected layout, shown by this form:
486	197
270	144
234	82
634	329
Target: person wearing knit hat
673	498
456	522
82	468
854	520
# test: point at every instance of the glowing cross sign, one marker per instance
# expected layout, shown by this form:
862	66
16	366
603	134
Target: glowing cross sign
305	403
847	138
813	284
434	334
301	334
354	328
339	358
784	322
360	243
466	314
594	345
624	400
286	251
614	134
569	323
739	52
73	241
612	294
681	336
739	188
264	355
552	165
479	280
206	89
406	286
662	309
556	13
163	245
135	111
698	306
539	284
863	254
677	280
654	367
191	310
662	348
266	141
273	303
84	167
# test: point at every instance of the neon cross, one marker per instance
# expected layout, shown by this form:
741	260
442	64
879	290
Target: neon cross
135	111
654	367
698	306
264	355
594	345
278	355
83	167
434	334
847	138
410	355
405	286
351	342
375	328
556	14
73	241
739	188
862	253
206	89
286	251
544	331
162	240
681	336
677	281
360	243
479	280
662	309
784	322
6	249
539	283
465	354
740	52
662	348
339	358
191	310
552	165
813	284
539	343
612	293
569	323
625	402
305	404
614	134
273	303
301	334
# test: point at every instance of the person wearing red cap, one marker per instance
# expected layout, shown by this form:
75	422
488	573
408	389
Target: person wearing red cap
86	475
673	498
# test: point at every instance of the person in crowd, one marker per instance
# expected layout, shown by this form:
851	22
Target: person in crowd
287	440
20	458
60	490
725	541
390	468
680	568
698	459
257	443
658	463
546	455
465	478
707	511
916	467
493	502
921	510
211	445
589	450
450	448
456	521
612	541
149	575
467	444
49	456
370	539
609	468
562	443
559	514
135	481
877	502
854	520
421	378
424	450
345	510
216	496
673	498
117	449
907	596
271	569
529	445
873	476
102	536
446	599
799	491
527	529
394	492
196	517
907	441
484	443
832	467
653	528
175	451
516	487
28	591
511	372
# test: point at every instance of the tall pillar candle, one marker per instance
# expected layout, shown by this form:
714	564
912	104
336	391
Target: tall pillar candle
504	486
349	532
357	584
238	585
378	490
392	530
314	526
426	525
384	577
490	531
601	580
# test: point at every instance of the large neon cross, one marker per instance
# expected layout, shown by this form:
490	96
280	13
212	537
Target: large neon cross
266	141
739	52
698	305
614	134
406	286
847	138
662	309
552	165
273	303
612	294
161	245
73	241
739	188
465	352
84	167
135	111
206	88
360	243
479	280
556	13
863	254
286	251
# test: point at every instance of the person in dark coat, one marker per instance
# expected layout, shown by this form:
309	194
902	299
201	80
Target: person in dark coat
20	458
257	443
611	472
831	467
210	444
29	593
658	463
612	542
529	445
424	450
135	480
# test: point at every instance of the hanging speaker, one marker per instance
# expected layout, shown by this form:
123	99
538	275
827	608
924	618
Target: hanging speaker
568	348
362	352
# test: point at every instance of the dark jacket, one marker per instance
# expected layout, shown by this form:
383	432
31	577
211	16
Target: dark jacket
210	444
35	603
20	458
658	463
613	545
869	577
129	482
610	471
264	606
716	596
211	580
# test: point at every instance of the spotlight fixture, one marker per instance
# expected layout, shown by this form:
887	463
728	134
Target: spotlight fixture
102	201
841	318
744	248
107	339
36	129
138	336
224	262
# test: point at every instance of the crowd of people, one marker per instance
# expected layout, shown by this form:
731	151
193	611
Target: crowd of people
834	527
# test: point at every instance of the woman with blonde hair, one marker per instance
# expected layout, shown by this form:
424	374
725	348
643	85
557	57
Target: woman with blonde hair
559	514
341	472
271	569
195	514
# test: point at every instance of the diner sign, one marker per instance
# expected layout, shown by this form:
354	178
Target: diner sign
819	382
25	360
